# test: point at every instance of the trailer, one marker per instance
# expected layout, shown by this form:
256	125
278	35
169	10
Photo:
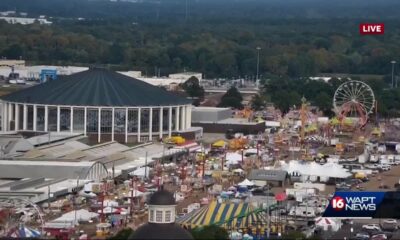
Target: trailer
309	185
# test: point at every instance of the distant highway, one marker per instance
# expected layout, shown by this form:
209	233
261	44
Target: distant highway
223	90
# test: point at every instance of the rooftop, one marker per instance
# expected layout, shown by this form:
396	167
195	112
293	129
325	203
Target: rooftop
96	87
268	175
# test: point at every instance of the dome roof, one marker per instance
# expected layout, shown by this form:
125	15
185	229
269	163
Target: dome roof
96	87
161	231
162	197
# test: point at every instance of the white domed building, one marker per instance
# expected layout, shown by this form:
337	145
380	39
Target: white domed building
101	104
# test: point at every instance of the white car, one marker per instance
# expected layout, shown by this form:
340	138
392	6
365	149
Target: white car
390	221
372	166
384	167
372	227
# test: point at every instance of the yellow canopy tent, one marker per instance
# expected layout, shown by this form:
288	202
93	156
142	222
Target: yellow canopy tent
311	128
347	121
376	131
227	214
259	119
334	121
219	144
360	175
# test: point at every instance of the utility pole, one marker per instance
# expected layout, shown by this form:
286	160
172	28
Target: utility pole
268	214
258	62
48	197
393	63
186	11
133	189
145	167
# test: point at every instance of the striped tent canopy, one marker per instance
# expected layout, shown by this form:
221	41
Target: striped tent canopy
228	215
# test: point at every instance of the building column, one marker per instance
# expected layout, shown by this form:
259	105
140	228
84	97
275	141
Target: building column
188	117
161	122
126	125
35	118
183	124
58	118
112	124
4	117
25	118
85	121
151	124
138	130
16	122
46	118
9	116
71	120
99	126
177	119
170	122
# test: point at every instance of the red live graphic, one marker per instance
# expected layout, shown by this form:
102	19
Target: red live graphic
372	28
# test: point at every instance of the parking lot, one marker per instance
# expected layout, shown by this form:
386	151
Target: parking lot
346	233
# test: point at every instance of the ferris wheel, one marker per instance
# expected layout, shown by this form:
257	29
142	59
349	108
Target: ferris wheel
20	218
354	99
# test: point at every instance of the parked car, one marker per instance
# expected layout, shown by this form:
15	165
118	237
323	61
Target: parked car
384	167
359	238
396	162
380	236
362	235
371	227
372	166
389	225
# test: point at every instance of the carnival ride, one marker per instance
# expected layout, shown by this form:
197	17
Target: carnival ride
20	218
354	99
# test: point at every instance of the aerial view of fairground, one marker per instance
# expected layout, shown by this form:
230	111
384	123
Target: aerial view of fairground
199	119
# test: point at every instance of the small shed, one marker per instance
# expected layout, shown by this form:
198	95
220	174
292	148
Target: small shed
262	177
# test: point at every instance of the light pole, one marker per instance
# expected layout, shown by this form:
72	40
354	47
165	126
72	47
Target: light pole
393	63
258	61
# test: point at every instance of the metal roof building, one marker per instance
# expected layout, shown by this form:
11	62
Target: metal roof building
105	105
263	177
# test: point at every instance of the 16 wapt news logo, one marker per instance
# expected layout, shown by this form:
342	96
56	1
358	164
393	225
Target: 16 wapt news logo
354	204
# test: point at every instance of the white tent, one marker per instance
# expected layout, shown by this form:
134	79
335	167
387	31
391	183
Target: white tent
233	158
246	183
314	169
327	224
81	215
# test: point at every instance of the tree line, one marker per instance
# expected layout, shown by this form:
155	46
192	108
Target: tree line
286	93
297	47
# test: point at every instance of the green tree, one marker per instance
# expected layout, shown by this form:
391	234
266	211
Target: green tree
257	102
194	90
122	234
324	102
13	52
284	100
232	98
210	232
294	235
